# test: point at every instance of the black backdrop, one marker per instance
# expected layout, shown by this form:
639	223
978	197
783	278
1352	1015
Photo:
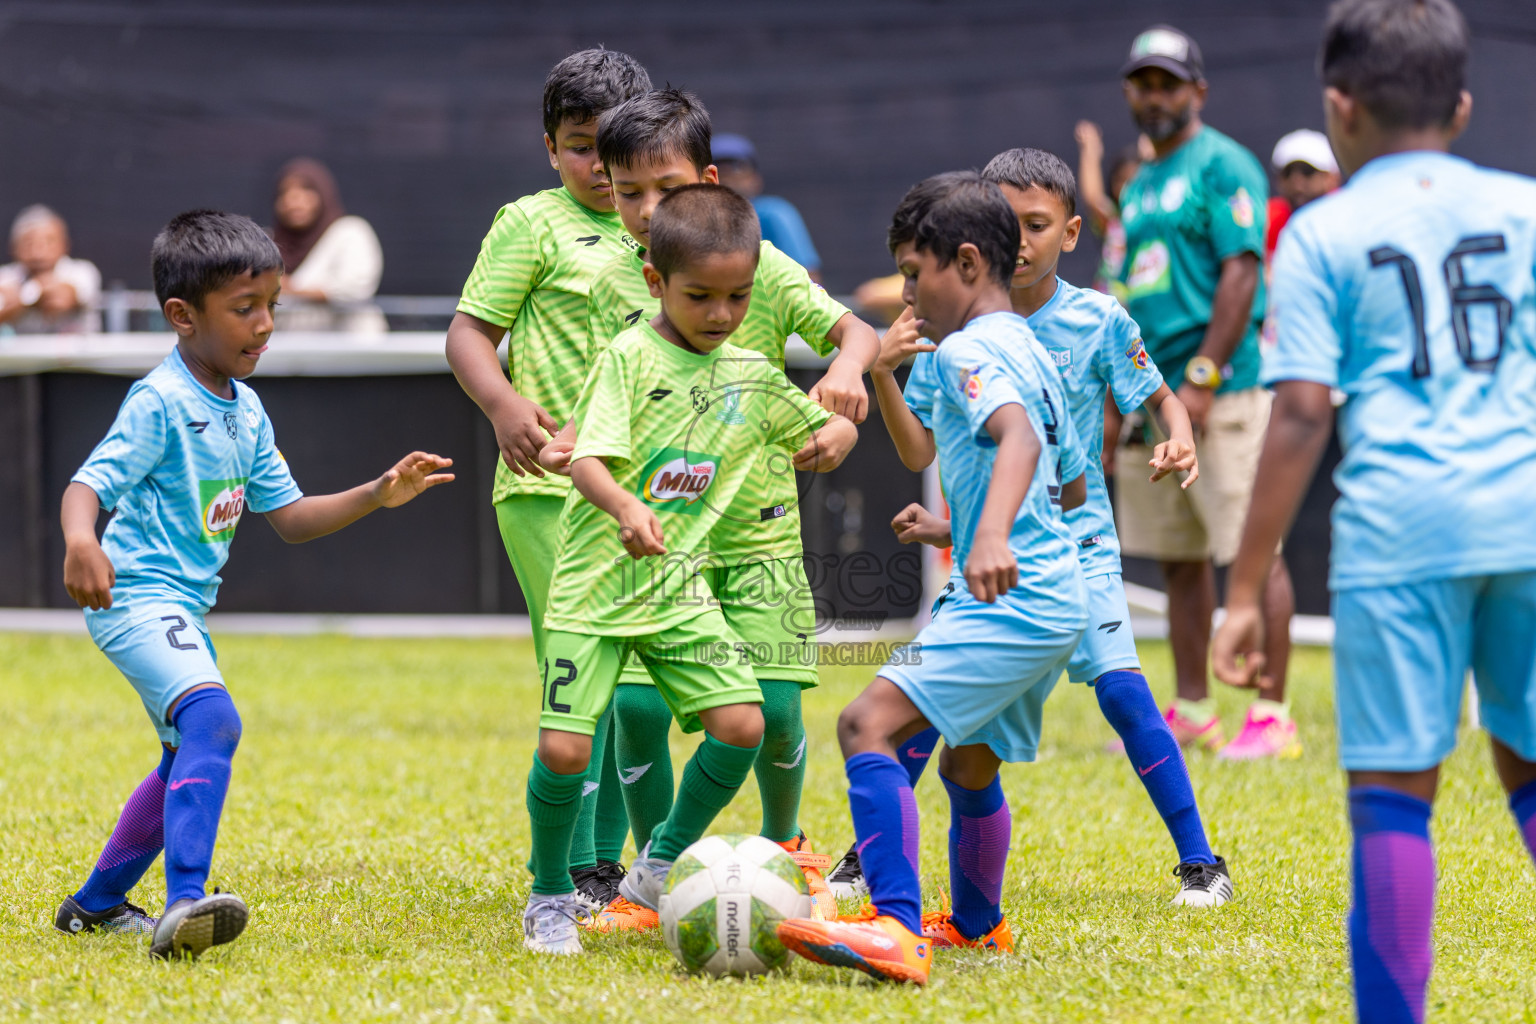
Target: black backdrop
122	114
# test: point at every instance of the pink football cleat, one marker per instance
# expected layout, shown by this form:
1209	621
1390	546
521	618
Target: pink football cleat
1264	734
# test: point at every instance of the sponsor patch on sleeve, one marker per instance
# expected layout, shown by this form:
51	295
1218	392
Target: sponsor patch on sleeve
1137	354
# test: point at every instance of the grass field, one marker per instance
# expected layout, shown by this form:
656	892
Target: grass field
376	827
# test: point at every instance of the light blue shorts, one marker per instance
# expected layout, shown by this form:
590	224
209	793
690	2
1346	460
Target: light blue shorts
163	655
1107	642
1401	656
981	672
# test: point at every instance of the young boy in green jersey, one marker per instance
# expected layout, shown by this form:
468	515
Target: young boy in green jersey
673	424
652	145
531	281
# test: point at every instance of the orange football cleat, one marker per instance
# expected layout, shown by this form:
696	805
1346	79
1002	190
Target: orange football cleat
881	946
624	916
939	927
814	866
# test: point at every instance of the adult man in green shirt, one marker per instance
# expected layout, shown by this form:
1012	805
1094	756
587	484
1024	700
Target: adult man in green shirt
1194	226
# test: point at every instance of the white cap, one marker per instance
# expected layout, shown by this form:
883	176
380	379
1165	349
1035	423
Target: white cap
1304	146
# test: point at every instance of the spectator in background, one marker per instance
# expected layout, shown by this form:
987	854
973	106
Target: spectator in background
736	159
1305	170
46	291
333	260
1104	205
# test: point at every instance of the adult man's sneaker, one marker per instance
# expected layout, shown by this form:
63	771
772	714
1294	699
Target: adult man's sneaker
598	886
123	919
847	878
646	880
1264	734
939	927
552	924
188	927
813	866
624	916
881	946
1203	885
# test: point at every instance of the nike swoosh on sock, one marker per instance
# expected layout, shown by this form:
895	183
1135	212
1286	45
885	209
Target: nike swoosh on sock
187	782
1149	767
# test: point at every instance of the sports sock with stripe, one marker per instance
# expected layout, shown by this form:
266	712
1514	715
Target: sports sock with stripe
554	801
194	793
584	840
642	722
135	842
1128	706
1394	904
610	825
916	752
780	764
710	779
885	824
1523	803
979	830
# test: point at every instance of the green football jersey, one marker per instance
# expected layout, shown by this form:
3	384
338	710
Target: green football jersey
684	433
1203	203
532	276
764	520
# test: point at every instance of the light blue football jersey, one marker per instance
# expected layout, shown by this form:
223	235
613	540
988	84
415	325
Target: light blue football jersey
921	387
180	465
1413	291
995	361
1096	345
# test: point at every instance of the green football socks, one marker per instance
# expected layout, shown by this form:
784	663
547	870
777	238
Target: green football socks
553	804
710	779
642	723
780	764
601	826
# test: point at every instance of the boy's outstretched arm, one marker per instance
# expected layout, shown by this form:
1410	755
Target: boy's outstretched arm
841	389
1178	452
522	426
914	442
88	572
827	447
991	568
1299	427
319	514
639	529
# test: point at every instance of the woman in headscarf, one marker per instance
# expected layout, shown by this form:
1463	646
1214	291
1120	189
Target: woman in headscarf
333	260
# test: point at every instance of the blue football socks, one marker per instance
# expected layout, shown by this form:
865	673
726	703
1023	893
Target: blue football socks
979	830
1522	803
1394	904
194	795
885	824
135	842
915	754
1127	704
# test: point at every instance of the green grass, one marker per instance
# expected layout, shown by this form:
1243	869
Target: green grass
376	826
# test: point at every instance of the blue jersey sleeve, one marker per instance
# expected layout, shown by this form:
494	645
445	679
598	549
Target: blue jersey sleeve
919	392
785	228
983	386
271	484
1304	314
131	449
1123	363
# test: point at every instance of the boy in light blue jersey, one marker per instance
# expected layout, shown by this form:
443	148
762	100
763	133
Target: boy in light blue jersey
1096	347
1412	290
190	451
1012	463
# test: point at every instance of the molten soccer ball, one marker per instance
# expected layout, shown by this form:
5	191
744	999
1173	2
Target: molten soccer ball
725	898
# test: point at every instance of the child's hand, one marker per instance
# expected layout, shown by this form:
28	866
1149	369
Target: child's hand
901	340
88	574
556	456
1090	143
409	477
827	447
841	391
991	569
522	428
640	531
1173	456
916	525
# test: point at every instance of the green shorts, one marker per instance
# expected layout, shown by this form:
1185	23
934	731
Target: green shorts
768	606
692	664
529	524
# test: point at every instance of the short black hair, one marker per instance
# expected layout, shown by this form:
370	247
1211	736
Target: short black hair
588	82
701	220
1034	168
942	213
1404	61
662	123
203	250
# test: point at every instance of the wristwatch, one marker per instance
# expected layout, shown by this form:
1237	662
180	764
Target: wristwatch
1202	372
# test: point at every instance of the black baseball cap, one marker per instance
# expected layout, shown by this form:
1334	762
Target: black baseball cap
1163	46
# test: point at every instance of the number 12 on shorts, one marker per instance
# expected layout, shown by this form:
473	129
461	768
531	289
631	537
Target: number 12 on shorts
551	689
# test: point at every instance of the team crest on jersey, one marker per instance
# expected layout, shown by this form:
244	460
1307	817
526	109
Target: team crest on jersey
223	503
1174	191
1137	354
973	387
1062	357
700	399
729	412
250	418
674	480
230	426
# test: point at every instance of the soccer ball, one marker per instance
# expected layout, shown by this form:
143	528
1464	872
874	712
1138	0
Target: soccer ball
725	898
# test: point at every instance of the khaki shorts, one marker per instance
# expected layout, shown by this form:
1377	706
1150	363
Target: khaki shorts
1164	522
